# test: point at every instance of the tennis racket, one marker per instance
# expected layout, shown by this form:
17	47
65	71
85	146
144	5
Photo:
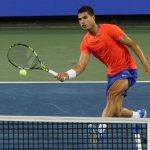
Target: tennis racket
24	57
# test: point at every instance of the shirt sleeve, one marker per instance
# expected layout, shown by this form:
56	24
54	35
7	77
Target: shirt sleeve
84	46
114	31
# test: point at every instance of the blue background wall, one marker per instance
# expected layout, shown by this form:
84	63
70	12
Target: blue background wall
68	7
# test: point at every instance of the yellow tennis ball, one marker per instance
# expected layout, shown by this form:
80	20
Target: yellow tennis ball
23	72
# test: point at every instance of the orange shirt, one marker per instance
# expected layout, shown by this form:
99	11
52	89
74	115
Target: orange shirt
106	47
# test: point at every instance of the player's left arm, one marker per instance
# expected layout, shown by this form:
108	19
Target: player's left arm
125	39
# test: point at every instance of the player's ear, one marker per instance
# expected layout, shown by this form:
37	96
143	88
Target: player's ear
93	17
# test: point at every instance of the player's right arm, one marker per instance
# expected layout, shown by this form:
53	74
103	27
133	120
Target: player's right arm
82	63
77	69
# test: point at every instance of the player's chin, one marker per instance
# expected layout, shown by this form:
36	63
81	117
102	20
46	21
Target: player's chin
84	28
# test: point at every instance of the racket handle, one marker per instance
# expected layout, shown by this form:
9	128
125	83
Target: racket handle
52	72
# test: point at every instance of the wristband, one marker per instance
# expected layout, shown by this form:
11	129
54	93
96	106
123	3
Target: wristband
71	73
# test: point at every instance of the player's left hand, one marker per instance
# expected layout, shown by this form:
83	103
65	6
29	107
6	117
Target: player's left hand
146	68
62	76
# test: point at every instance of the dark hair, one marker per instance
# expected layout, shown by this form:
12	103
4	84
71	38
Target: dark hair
86	9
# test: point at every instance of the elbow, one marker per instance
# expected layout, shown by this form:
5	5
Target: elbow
132	44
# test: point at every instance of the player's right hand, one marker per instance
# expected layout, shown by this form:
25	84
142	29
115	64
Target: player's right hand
62	76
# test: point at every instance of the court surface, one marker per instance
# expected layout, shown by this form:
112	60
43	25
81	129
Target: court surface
83	99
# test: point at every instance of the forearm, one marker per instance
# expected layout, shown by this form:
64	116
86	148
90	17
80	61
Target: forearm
79	68
137	50
75	70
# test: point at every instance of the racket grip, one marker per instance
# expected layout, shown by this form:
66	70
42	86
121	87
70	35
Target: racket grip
52	72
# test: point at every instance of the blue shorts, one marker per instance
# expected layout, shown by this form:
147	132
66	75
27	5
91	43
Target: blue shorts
130	74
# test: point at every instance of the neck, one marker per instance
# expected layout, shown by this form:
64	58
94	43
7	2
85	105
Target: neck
94	30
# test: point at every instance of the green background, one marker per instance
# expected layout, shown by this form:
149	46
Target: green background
58	48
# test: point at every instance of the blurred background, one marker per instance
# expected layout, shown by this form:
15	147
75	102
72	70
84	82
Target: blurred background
51	28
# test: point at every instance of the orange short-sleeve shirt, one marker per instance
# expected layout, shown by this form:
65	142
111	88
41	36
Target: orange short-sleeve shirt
107	48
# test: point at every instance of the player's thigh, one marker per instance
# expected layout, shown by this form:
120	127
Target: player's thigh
118	88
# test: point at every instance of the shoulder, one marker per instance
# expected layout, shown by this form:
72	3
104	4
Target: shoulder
109	26
112	30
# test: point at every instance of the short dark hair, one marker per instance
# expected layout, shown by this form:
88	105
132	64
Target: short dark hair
86	9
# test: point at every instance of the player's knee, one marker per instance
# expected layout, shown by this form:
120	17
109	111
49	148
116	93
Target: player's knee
114	93
111	96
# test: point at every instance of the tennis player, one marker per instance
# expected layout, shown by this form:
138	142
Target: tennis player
109	44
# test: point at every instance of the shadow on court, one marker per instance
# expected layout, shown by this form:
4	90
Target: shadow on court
65	99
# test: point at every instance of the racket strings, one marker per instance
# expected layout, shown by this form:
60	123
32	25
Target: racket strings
22	56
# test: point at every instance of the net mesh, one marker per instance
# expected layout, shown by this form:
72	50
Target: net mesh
22	56
71	134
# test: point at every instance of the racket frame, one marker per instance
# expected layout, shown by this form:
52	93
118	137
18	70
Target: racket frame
41	66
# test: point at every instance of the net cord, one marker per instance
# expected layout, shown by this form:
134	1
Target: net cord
73	119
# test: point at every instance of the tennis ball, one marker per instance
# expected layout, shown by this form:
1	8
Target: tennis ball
23	72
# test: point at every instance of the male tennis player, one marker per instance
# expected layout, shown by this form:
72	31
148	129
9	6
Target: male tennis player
109	44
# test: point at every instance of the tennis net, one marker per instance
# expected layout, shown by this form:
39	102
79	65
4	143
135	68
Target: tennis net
72	133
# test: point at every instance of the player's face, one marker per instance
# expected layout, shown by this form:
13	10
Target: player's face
86	21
